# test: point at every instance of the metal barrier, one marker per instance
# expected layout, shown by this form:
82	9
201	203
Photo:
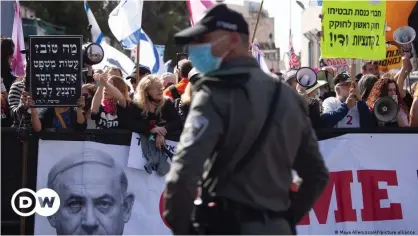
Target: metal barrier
20	161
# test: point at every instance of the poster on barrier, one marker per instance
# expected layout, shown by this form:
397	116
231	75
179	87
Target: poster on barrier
372	188
99	194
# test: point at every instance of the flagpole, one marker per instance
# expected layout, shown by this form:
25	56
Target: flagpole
256	24
137	60
290	18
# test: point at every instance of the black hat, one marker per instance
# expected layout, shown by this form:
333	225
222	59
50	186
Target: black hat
219	17
143	70
343	77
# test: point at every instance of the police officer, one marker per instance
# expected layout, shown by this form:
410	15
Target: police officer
230	114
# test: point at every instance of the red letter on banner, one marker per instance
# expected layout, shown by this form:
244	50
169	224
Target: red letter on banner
372	195
341	181
162	209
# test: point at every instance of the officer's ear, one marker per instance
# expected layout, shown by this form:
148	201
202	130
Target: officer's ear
243	40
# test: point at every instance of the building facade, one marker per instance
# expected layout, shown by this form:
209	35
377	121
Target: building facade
265	31
311	26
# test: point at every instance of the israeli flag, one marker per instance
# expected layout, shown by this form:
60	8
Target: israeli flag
96	33
259	55
149	56
316	3
168	67
112	56
115	58
125	22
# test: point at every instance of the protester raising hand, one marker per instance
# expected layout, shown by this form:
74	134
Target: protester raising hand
96	77
354	91
103	79
100	78
301	90
351	101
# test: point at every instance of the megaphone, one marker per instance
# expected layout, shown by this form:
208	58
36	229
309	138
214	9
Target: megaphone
404	36
93	53
385	109
306	77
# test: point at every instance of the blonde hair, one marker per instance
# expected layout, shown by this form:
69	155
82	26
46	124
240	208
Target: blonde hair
91	88
120	84
113	69
141	94
186	97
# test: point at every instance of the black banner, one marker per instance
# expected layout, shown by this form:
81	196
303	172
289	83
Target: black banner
55	70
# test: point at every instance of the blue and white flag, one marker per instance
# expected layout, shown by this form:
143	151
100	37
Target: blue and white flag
96	33
112	56
149	56
160	49
316	3
125	22
168	67
259	55
115	58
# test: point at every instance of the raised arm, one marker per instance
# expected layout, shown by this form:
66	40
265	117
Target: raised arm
97	98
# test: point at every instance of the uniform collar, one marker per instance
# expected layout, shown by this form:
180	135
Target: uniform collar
246	61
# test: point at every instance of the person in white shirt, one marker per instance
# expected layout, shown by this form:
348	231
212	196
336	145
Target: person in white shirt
347	109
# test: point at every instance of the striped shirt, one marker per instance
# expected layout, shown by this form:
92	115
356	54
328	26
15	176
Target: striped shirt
17	110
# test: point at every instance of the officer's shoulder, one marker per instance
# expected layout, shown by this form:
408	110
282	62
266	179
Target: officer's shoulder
291	98
221	81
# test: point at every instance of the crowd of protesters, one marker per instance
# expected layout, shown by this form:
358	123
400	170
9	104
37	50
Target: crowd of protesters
347	101
157	105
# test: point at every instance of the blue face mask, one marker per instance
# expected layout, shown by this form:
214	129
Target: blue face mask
202	58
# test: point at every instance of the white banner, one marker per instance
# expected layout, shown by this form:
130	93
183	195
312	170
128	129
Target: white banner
373	186
372	189
91	195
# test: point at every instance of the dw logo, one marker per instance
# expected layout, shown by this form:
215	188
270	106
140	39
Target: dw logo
45	202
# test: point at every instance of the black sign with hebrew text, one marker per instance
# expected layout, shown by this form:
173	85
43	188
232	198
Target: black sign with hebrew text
55	70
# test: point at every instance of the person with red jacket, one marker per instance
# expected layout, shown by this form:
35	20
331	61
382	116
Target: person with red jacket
175	91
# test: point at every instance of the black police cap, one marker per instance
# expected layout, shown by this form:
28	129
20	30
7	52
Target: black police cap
219	17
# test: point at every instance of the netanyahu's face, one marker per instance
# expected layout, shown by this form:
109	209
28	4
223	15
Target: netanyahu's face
92	201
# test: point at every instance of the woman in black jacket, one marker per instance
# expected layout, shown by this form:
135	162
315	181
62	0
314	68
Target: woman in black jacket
151	113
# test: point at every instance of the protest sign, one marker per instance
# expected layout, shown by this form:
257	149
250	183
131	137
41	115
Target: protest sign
339	64
354	30
55	70
393	59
